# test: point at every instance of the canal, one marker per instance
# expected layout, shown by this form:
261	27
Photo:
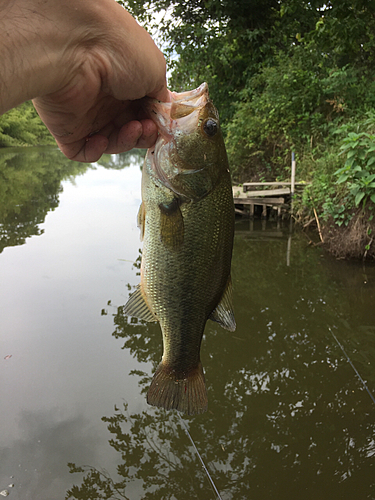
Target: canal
289	416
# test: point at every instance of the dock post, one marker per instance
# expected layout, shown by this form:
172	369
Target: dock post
264	211
289	246
251	210
292	181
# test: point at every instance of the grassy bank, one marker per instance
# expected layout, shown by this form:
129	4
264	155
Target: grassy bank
342	190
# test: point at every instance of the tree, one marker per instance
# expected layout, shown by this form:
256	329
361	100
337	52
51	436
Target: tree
278	71
22	126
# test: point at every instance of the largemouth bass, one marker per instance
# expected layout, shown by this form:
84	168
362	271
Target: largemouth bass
187	225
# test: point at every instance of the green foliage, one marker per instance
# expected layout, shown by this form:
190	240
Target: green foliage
359	169
22	126
286	76
229	43
297	104
318	169
355	181
343	177
339	212
281	108
221	42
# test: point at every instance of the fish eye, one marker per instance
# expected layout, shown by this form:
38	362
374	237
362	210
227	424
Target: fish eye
210	127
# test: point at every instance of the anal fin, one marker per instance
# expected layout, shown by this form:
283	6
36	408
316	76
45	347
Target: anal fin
223	312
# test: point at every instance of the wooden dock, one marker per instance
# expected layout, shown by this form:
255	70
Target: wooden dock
275	195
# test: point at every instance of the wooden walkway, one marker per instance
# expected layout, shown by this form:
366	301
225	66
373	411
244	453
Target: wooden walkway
276	195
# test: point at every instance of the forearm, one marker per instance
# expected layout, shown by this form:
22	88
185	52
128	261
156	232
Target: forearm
43	41
85	64
39	45
23	55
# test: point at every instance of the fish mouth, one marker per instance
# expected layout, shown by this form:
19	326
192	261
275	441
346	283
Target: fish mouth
179	113
175	118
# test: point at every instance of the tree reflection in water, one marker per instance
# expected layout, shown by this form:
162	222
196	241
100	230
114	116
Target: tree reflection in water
147	457
30	184
287	417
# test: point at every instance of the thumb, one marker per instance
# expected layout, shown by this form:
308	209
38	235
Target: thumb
163	95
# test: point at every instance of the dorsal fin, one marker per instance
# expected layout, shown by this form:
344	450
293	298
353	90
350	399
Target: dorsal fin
223	313
137	307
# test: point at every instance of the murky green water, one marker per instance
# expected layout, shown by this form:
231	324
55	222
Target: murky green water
288	416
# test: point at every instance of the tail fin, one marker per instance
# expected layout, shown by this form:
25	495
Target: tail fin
187	394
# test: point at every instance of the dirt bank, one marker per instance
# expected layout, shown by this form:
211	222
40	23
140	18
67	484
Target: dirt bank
354	241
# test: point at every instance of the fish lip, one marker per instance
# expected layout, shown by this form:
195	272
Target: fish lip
160	112
190	95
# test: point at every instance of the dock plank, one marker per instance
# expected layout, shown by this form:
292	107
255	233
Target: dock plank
259	201
274	183
237	193
267	192
247	195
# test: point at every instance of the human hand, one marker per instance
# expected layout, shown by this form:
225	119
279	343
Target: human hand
92	64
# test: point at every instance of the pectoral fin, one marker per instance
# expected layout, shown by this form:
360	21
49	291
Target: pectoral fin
141	219
223	313
172	224
137	307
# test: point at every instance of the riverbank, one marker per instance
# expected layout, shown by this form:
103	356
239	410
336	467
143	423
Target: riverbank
352	241
339	197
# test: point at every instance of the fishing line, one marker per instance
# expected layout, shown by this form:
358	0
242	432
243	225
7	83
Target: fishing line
354	368
200	458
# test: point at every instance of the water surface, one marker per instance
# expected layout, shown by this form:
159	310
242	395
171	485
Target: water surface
288	416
